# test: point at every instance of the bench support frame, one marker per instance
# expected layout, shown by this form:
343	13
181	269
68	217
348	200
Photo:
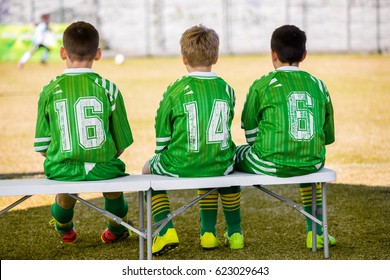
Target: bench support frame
146	183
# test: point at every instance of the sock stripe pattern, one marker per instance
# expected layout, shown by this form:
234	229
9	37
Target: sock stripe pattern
160	204
306	195
209	202
231	202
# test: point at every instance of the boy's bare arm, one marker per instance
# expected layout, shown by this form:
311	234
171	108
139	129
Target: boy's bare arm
119	152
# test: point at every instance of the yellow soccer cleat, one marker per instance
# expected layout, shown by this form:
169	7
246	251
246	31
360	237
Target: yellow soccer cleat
320	240
235	241
162	244
208	241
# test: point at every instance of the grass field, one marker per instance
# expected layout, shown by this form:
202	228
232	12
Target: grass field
273	231
359	201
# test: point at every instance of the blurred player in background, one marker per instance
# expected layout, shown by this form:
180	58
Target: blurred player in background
41	39
82	129
193	139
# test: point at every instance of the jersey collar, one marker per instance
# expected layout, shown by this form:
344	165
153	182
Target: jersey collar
203	74
78	70
288	68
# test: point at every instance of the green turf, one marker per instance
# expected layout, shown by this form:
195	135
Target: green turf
359	218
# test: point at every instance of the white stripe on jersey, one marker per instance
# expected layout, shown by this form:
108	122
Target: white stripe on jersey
252	131
229	170
41	148
163	139
42	139
160	148
260	160
259	167
164	172
229	91
241	151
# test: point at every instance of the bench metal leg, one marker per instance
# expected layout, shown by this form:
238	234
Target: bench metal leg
314	213
141	224
107	214
296	206
149	218
325	221
6	209
313	217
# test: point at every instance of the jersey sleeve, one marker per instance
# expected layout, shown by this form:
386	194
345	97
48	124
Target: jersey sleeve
329	129
250	116
42	131
119	125
163	125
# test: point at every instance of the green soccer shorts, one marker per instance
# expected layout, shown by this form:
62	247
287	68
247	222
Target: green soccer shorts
248	161
71	170
161	165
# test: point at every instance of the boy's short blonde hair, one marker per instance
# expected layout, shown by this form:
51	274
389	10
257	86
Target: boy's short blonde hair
200	46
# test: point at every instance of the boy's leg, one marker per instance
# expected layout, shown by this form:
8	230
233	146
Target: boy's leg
208	211
161	207
167	238
306	197
231	198
45	54
62	211
23	60
115	203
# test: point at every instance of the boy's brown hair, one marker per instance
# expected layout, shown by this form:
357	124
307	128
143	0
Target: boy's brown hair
81	41
200	46
289	43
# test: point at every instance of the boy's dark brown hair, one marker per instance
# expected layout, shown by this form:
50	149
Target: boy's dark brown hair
200	46
289	43
81	41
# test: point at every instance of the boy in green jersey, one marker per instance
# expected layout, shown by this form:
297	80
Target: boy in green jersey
193	140
288	120
82	129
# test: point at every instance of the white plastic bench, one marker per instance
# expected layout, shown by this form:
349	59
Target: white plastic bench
134	183
145	183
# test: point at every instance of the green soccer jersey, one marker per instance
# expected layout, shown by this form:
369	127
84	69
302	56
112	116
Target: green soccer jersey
193	128
81	118
288	120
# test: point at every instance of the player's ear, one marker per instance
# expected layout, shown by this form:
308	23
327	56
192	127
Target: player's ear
215	60
63	54
303	56
98	54
274	56
185	61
